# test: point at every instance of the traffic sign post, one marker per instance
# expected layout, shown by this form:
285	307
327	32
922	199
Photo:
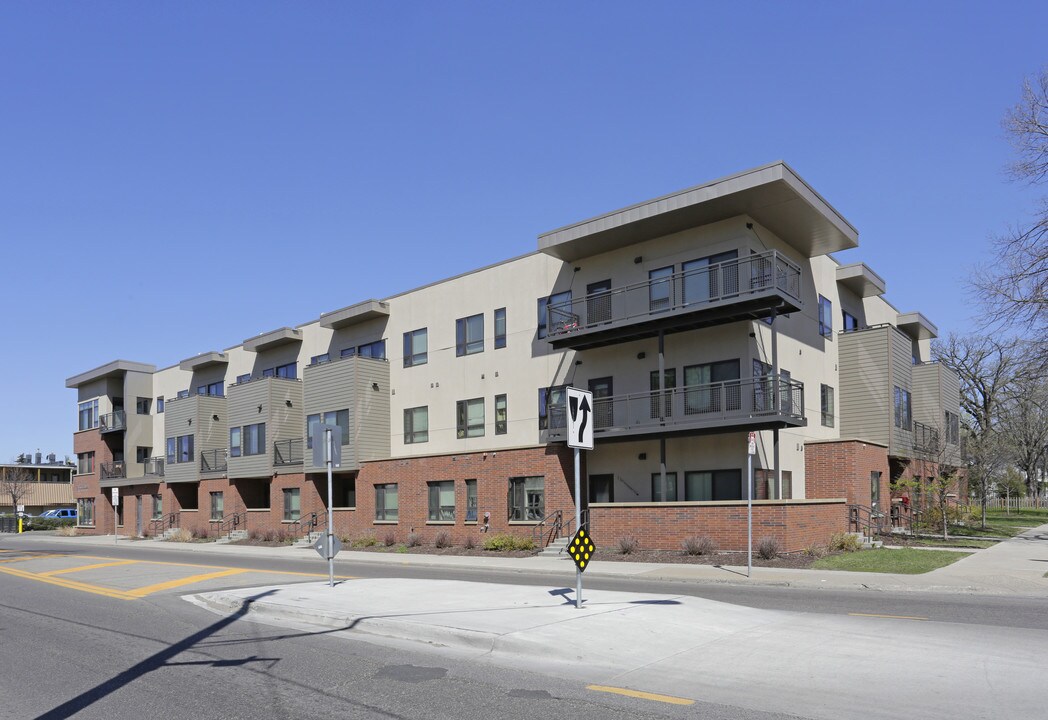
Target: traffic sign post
329	455
751	450
580	437
115	495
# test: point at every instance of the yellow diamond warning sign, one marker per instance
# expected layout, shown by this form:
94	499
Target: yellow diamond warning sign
581	549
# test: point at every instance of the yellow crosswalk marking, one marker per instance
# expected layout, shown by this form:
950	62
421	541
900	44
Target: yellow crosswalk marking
179	582
642	695
63	571
890	617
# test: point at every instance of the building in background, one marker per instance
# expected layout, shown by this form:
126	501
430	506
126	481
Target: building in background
49	486
695	319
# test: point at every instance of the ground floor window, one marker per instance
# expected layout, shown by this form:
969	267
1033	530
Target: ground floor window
386	505
345	491
664	491
602	488
158	506
471	501
85	512
292	504
706	485
527	498
217	506
120	511
442	500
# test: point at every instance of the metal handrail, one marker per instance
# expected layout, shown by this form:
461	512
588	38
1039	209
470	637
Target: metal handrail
154	466
229	523
162	523
925	438
113	470
863	516
297	527
211	462
288	452
731	279
116	420
554	521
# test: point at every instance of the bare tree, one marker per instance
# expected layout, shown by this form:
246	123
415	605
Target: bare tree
1027	128
987	368
1024	421
15	483
985	475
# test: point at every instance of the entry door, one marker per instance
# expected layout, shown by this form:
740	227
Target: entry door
601	488
603	408
711	278
138	515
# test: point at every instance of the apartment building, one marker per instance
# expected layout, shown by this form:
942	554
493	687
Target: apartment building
695	319
44	483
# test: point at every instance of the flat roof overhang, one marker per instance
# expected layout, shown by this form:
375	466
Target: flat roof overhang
273	339
361	312
861	280
917	326
204	360
112	369
773	195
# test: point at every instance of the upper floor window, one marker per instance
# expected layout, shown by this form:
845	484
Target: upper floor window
85	463
953	428
214	389
469	335
416	347
348	352
331	417
248	440
827	406
143	405
180	449
500	328
850	321
183	394
159	404
501	415
825	317
289	371
559	303
470	418
416	425
552	412
88	412
320	359
243	378
375	349
903	411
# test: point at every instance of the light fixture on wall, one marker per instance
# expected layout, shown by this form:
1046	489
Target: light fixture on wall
215	418
641	355
189	421
288	403
260	408
374	386
642	456
638	260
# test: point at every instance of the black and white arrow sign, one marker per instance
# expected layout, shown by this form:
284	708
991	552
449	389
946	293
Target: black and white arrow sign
580	420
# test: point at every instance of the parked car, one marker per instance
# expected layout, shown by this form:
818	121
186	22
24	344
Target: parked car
60	514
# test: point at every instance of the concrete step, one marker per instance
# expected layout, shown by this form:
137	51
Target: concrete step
556	547
238	535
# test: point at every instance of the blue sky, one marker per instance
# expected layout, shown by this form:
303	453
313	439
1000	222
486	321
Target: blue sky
161	163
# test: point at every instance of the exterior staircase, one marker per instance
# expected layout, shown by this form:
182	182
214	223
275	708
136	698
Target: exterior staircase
556	548
867	543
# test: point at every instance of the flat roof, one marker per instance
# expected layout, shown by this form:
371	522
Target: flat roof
917	326
353	314
204	360
272	339
861	280
110	369
773	195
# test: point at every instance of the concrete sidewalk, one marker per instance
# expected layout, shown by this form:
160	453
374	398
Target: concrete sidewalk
1012	567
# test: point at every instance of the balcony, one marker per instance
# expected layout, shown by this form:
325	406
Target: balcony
213	461
287	452
693	410
925	440
113	422
154	467
114	470
741	289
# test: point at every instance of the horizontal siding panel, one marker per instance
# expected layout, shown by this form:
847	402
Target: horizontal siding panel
865	393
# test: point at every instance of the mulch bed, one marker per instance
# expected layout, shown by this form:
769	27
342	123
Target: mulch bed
735	559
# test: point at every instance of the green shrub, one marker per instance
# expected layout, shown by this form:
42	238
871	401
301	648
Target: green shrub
699	545
504	542
844	542
365	541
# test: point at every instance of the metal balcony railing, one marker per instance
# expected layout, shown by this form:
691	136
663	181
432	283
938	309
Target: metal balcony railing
154	466
288	452
683	293
724	404
113	470
925	439
213	460
111	422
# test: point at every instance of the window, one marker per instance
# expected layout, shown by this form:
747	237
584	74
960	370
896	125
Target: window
662	406
850	321
416	425
903	416
825	317
217	506
558	305
664	492
706	485
712	387
470	418
601	488
85	511
527	498
331	417
375	349
953	428
469	335
826	405
185	449
501	417
289	371
715	276
320	359
143	405
552	408
170	453
159	404
213	389
660	289
85	463
500	328
764	484
386	502
158	506
292	504
441	501
246	377
182	394
142	454
88	415
471	501
416	347
248	440
348	352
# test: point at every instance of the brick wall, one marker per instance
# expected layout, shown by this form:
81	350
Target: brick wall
796	524
842	468
86	486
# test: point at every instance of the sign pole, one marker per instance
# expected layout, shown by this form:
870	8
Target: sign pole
116	501
330	513
578	524
751	450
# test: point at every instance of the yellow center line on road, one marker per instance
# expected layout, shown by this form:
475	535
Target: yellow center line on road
642	695
63	571
179	582
889	617
32	557
69	584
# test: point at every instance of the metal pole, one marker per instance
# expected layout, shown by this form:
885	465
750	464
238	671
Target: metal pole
578	523
749	514
328	451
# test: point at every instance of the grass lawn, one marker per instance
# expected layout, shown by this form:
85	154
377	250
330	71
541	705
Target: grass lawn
908	561
1000	524
939	542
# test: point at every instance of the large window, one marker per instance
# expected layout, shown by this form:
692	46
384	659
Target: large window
85	463
851	322
289	371
953	428
179	449
85	512
903	409
416	425
142	405
500	328
213	389
826	405
375	349
501	415
292	504
706	279
469	416
664	491
442	501
527	498
217	506
88	415
825	317
320	359
711	387
561	304
705	485
552	413
386	505
416	347
247	440
331	417
246	377
469	335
